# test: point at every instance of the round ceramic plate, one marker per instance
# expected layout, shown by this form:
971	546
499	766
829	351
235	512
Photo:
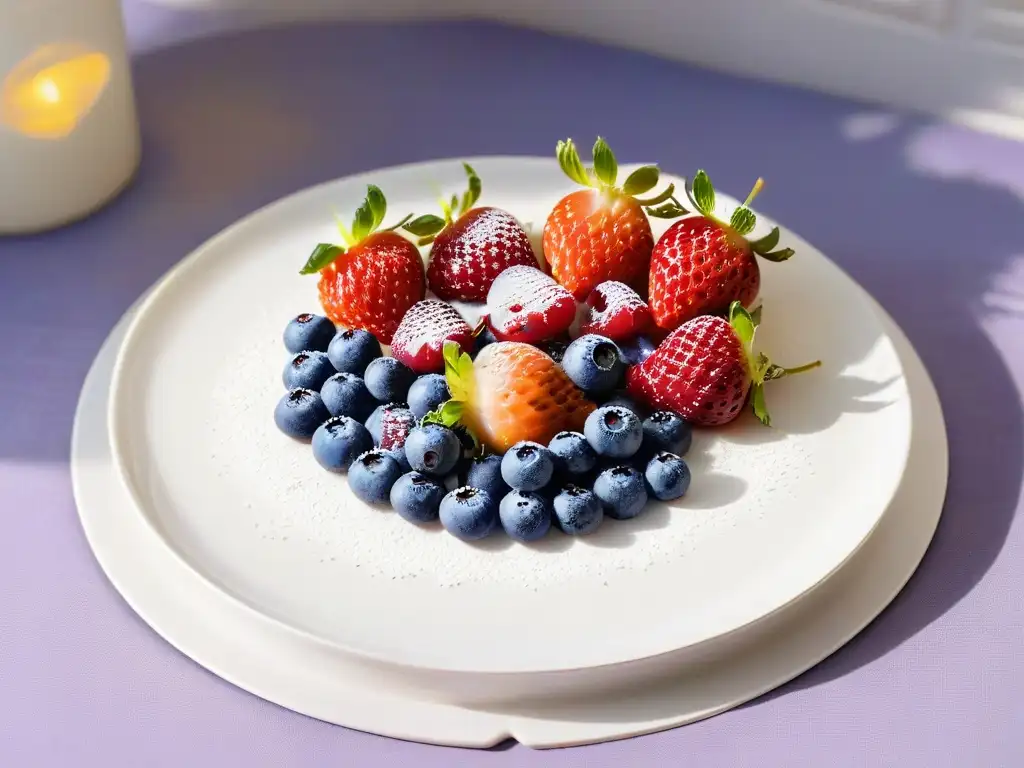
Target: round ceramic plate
770	514
270	660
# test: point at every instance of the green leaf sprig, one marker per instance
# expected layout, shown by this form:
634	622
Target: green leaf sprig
761	369
367	220
427	227
603	175
458	370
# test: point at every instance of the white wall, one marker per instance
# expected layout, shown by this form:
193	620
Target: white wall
960	58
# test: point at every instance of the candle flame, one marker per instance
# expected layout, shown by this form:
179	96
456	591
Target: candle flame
51	91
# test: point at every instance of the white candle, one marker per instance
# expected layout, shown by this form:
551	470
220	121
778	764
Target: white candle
69	136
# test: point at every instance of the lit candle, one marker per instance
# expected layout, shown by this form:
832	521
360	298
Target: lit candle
68	132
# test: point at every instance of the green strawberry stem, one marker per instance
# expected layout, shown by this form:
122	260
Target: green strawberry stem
603	174
428	227
367	220
761	369
458	371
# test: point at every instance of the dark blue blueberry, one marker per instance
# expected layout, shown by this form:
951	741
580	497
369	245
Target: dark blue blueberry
312	332
614	431
339	441
594	364
308	370
667	431
352	351
373	422
433	449
388	380
572	453
372	475
638	350
484	472
416	497
469	513
623	400
577	511
300	412
427	393
667	476
527	466
525	516
398	454
621	491
345	394
483	339
465	440
554	349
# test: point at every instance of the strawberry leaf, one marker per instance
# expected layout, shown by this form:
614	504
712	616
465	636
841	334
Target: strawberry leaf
667	211
458	371
743	324
780	255
660	198
322	255
743	220
425	226
378	204
755	316
766	243
606	168
643	179
362	224
473	193
759	405
569	160
447	415
703	193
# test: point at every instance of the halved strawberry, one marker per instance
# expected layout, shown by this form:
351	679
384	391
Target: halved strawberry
512	392
601	233
702	264
527	305
706	370
615	311
471	246
421	336
372	280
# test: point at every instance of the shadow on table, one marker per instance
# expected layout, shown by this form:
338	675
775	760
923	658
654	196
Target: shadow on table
928	217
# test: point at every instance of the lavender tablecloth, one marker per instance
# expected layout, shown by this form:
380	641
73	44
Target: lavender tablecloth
928	216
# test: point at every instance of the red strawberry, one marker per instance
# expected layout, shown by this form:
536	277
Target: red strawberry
706	369
372	280
601	233
419	340
471	246
527	305
616	312
702	264
395	426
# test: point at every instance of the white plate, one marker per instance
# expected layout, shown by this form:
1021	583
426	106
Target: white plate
269	660
770	514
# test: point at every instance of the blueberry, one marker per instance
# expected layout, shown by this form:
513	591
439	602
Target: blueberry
554	349
352	351
638	350
483	339
465	439
416	497
667	431
300	412
667	476
577	511
433	449
372	475
312	332
469	513
621	491
614	431
525	516
373	422
572	453
388	380
345	394
338	441
594	363
308	370
527	466
623	400
427	393
484	472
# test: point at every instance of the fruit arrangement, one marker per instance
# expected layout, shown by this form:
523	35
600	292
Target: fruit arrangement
575	397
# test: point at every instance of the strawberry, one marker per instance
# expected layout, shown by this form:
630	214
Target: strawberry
706	370
512	392
395	426
702	264
421	335
527	305
601	233
371	281
615	311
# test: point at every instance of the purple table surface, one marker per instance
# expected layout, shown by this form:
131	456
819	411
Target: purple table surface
928	216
